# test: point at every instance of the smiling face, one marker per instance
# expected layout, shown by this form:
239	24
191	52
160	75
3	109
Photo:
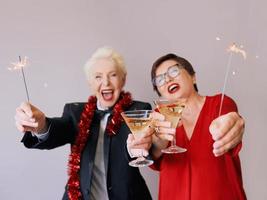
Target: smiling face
181	86
106	82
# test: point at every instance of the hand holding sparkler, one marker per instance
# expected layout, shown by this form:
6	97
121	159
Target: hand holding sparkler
227	130
30	118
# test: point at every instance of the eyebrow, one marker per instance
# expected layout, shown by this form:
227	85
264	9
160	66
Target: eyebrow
177	64
113	71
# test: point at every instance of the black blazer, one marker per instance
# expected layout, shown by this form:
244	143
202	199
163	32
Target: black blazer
123	182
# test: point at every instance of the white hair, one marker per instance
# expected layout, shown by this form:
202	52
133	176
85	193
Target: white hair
105	53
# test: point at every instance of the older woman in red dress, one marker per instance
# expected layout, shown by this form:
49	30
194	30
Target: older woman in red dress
210	168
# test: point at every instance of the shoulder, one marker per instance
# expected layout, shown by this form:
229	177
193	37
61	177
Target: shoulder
75	107
139	105
218	97
216	100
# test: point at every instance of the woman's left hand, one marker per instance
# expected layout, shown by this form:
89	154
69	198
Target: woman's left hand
227	131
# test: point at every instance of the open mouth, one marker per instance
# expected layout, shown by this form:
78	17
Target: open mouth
107	94
173	88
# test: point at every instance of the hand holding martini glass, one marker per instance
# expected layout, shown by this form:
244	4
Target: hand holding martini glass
172	111
138	122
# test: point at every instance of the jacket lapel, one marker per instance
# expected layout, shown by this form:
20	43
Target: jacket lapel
88	157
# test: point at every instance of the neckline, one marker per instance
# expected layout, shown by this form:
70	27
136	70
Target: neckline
189	140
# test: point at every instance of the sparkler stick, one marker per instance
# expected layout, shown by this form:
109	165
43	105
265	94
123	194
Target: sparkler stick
24	80
232	49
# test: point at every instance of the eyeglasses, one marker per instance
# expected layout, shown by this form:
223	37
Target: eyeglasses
172	72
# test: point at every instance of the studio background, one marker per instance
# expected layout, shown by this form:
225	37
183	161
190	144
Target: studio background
59	36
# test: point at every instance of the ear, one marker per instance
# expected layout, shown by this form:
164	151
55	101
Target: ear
194	79
123	80
89	82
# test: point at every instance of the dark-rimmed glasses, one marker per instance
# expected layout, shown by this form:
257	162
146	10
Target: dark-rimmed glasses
172	72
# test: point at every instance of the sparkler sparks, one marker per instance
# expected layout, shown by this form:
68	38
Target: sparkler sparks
234	48
19	66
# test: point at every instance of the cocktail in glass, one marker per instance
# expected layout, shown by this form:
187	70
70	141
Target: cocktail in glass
138	122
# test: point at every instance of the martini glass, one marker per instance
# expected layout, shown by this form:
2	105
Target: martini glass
138	122
172	110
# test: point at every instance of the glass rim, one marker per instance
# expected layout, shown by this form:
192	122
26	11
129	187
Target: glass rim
164	100
136	112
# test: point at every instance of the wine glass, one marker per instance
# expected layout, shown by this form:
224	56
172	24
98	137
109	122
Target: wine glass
172	110
138	122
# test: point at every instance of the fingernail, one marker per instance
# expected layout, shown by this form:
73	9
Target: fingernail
216	145
215	153
215	136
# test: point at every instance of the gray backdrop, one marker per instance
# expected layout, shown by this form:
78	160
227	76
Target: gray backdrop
58	36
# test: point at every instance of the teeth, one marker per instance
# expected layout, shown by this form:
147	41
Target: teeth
106	91
173	87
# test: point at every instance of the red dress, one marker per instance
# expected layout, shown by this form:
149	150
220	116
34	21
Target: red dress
197	174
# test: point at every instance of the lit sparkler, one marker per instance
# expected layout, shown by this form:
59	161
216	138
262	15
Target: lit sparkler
233	48
19	66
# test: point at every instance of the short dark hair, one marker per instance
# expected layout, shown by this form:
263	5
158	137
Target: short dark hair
182	61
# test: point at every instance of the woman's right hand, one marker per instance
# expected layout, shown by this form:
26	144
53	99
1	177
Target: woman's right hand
163	134
163	129
30	118
140	146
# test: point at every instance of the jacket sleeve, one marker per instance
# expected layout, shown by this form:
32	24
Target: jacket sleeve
62	131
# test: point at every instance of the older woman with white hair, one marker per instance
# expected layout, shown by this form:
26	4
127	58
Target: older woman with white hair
98	163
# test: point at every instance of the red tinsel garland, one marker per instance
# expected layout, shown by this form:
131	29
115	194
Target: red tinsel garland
74	192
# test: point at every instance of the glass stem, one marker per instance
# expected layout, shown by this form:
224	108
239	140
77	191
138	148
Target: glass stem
173	143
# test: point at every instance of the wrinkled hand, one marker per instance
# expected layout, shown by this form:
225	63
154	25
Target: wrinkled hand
30	118
140	146
163	129
227	131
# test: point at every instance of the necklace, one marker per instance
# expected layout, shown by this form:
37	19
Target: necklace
87	115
